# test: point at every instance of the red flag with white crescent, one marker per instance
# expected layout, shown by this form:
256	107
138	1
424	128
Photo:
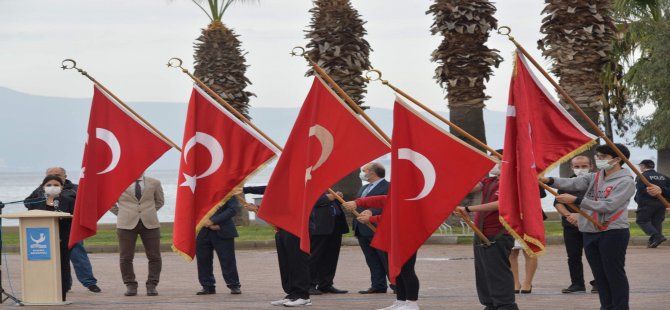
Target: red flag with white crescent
327	142
219	152
119	148
540	134
432	172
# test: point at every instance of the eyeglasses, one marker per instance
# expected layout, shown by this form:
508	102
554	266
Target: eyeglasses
601	156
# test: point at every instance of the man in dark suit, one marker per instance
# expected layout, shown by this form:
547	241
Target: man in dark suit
376	260
327	224
218	235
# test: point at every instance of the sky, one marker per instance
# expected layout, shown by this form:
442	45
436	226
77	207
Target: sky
125	45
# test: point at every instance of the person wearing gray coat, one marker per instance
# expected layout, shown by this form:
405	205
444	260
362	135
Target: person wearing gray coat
607	194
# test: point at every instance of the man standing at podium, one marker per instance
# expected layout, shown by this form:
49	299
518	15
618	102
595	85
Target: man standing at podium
136	213
78	255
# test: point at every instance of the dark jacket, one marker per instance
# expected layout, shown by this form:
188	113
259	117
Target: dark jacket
662	181
33	201
258	190
381	189
327	218
224	218
577	194
37	201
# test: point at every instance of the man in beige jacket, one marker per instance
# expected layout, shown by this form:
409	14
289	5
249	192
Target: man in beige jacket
136	215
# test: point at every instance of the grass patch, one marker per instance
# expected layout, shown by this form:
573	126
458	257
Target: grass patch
264	233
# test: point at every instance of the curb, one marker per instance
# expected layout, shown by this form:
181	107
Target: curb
349	241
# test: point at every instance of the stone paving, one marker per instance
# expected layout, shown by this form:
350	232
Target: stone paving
446	273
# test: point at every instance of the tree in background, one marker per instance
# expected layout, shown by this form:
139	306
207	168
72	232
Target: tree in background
464	60
337	44
577	39
647	78
219	61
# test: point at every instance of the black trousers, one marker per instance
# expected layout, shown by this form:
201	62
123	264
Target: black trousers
493	274
606	253
293	265
650	219
65	275
407	283
323	259
574	246
206	243
377	262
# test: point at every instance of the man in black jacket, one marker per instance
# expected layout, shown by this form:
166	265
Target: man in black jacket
650	210
327	224
376	260
218	235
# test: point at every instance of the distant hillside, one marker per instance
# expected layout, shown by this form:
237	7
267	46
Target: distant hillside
37	132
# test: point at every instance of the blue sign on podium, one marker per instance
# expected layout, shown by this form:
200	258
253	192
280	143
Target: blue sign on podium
39	247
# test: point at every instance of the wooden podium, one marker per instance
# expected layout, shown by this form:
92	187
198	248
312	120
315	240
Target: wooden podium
40	256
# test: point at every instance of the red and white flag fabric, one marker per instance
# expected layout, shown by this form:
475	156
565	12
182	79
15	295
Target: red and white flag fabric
432	172
119	148
539	135
327	142
219	152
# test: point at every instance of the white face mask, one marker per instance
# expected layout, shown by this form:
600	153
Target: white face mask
604	164
495	171
52	190
363	177
581	171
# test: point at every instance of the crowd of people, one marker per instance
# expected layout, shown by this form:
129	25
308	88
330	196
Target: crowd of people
603	193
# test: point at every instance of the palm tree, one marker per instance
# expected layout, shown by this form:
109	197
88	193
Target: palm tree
219	61
464	60
337	44
577	39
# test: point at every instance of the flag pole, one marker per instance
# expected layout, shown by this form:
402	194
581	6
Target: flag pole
482	237
300	51
68	64
177	63
505	31
465	134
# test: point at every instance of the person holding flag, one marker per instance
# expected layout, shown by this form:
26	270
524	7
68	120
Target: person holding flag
608	192
493	274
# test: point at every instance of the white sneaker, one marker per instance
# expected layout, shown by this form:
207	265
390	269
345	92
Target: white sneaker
298	303
409	305
396	305
280	302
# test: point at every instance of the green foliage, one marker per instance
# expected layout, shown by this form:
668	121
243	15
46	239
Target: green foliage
215	8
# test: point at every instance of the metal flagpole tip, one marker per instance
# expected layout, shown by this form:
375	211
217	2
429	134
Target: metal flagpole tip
68	64
174	62
298	51
505	30
373	75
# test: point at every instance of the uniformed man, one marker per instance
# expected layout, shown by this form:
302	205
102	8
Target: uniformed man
650	210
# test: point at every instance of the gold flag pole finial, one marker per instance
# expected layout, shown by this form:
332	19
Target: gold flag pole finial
69	64
505	31
298	51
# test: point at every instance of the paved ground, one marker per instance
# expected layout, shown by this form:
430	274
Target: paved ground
446	273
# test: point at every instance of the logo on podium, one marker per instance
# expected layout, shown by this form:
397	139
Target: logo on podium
38	244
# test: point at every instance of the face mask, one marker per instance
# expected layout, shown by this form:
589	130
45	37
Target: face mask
604	164
52	190
496	170
581	172
363	177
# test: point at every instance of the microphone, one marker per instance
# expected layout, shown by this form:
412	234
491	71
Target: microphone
56	203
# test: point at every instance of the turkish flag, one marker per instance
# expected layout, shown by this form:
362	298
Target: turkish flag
539	135
119	148
327	142
219	153
432	172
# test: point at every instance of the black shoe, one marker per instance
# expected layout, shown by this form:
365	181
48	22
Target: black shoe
392	287
656	242
131	290
314	291
235	291
206	291
528	291
151	290
373	291
594	287
332	290
574	289
94	288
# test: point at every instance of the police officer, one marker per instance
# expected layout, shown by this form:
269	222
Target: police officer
650	210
